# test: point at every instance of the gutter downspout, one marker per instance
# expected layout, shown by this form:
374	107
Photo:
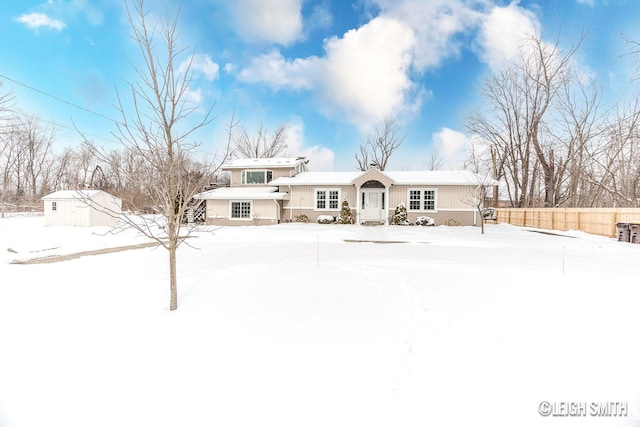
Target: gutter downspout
386	206
290	200
358	204
277	210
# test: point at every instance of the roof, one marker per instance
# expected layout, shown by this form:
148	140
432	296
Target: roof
243	193
73	194
453	177
274	162
438	177
318	178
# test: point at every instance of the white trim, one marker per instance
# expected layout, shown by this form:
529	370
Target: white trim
265	171
422	200
310	208
231	218
381	209
327	199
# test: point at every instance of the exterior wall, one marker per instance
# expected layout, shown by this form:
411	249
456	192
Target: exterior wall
452	203
302	201
61	216
447	196
263	212
106	211
236	175
102	209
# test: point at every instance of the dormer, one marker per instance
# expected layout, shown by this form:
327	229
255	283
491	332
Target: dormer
260	172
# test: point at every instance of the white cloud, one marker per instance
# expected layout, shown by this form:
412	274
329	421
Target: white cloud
194	96
452	146
437	25
268	21
203	64
363	77
366	72
36	21
320	157
278	73
504	31
587	2
321	17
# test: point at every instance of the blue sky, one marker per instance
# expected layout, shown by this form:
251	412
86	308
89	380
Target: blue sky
329	69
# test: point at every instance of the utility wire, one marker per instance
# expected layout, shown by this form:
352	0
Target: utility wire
59	99
78	107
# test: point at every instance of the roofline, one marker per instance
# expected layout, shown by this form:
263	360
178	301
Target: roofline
295	161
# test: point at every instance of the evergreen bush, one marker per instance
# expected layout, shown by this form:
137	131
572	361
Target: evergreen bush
325	219
400	215
302	218
345	217
425	220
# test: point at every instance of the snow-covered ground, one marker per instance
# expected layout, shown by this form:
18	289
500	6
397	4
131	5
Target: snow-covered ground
317	325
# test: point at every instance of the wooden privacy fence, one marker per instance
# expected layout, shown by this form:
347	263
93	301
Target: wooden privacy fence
601	221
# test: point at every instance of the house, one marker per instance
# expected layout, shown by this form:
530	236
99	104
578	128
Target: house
270	191
81	208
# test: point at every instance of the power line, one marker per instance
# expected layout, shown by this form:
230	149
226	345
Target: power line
59	99
78	107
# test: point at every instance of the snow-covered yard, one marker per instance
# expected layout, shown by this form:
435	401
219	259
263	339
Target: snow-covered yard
317	325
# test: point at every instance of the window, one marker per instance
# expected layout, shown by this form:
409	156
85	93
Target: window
54	206
327	199
429	200
256	177
414	200
240	210
422	200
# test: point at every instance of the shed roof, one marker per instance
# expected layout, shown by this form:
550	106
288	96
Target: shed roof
74	194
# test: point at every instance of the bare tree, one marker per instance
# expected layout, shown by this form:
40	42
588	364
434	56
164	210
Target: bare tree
520	101
615	172
6	155
380	145
159	128
261	144
580	128
36	141
434	160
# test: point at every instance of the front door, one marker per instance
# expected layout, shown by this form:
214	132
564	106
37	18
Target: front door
373	205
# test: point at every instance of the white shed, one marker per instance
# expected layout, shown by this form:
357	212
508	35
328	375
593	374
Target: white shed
84	208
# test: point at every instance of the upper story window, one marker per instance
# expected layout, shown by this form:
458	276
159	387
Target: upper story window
256	177
54	206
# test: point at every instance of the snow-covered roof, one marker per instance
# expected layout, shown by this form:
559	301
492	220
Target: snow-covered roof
454	177
72	194
314	178
264	163
439	177
243	193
